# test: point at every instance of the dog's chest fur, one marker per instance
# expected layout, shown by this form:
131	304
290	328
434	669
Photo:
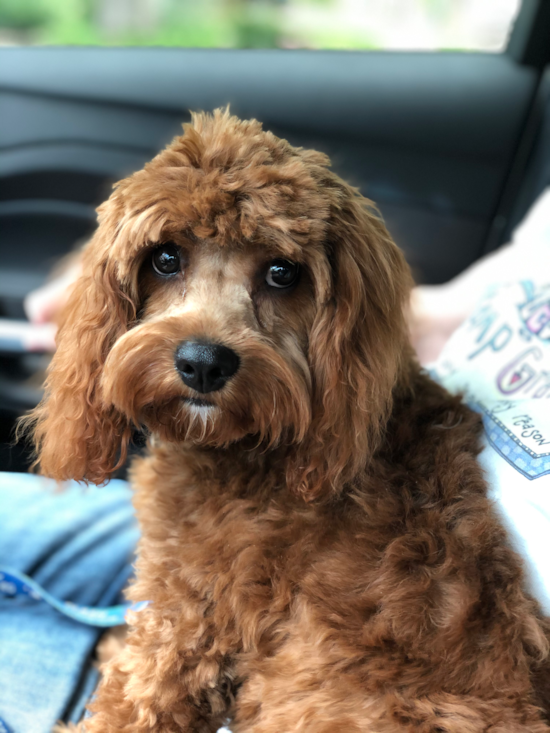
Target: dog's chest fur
380	586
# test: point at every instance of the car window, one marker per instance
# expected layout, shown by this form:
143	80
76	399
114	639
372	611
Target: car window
320	24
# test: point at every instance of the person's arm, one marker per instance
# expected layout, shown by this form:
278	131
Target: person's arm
43	304
437	310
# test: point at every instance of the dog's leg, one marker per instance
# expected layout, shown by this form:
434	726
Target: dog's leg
445	713
157	684
306	700
388	713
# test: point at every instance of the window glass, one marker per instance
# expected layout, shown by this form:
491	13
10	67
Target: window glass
336	24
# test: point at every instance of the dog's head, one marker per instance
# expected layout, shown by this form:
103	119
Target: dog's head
236	289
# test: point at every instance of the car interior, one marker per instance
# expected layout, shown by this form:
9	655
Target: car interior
453	147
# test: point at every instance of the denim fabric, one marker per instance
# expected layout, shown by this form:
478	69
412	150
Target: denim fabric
78	544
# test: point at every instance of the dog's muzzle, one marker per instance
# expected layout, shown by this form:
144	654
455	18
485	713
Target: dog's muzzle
205	367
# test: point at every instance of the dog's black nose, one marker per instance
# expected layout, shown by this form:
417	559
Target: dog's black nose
205	367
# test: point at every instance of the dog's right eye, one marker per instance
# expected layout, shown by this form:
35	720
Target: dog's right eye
282	274
166	259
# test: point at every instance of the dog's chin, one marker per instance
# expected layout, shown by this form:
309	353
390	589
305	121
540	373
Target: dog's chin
195	420
201	422
198	402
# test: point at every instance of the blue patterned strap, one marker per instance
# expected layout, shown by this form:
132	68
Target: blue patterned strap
13	583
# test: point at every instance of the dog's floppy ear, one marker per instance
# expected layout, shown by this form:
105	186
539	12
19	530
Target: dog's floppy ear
76	435
358	345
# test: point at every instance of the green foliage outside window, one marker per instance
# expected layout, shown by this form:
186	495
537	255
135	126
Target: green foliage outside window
345	24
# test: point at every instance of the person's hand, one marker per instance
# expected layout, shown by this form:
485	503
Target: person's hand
435	311
43	305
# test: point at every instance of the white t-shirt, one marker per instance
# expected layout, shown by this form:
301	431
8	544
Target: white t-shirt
500	359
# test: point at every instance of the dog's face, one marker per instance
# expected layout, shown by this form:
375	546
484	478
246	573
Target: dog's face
220	348
235	288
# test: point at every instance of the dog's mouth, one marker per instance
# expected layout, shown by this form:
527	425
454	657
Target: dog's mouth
197	402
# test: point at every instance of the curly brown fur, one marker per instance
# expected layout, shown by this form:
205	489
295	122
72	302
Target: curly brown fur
317	545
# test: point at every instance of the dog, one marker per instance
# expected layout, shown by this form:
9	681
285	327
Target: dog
318	550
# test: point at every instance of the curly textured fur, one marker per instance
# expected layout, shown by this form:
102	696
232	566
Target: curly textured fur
317	546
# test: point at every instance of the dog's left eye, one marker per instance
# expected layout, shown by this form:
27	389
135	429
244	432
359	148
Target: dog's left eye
282	274
166	259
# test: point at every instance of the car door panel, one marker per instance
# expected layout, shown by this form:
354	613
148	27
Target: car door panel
428	137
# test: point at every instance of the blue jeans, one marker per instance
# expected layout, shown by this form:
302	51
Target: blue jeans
78	544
